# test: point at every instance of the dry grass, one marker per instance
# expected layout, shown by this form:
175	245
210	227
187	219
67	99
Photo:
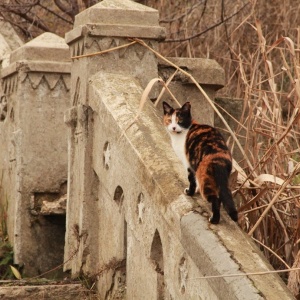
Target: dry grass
257	45
270	129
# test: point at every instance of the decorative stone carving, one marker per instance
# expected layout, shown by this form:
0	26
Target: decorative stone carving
3	108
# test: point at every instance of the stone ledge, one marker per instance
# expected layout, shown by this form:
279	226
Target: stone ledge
212	258
57	207
205	71
230	252
147	32
51	291
36	66
118	12
150	32
46	47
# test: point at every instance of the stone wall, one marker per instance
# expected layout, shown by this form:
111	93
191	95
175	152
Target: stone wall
33	146
129	227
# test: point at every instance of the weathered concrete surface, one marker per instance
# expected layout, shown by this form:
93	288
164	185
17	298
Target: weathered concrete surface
35	50
151	207
235	108
206	72
112	12
33	146
50	292
108	24
141	162
230	251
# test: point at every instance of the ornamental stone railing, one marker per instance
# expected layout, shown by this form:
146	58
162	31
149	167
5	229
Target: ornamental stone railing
130	228
86	182
33	145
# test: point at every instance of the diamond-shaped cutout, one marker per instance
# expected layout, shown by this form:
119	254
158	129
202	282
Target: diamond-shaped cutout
140	51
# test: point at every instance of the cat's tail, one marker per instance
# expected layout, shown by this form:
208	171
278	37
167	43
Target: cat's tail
225	195
228	203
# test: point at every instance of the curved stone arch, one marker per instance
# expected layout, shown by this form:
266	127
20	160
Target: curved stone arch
157	257
119	195
3	108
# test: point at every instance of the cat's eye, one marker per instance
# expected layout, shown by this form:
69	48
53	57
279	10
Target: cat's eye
168	120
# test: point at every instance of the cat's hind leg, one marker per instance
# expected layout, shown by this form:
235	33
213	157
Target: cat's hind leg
192	180
215	206
209	192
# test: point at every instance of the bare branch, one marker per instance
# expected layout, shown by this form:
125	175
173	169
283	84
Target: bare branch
183	15
71	10
54	13
207	29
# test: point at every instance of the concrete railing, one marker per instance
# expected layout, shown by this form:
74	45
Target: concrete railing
33	145
127	218
129	227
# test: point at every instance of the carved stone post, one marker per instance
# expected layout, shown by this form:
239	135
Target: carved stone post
33	143
208	73
103	26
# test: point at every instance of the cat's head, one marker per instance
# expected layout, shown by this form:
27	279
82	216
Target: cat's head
177	120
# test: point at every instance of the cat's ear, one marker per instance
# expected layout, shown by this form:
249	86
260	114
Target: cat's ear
167	108
186	106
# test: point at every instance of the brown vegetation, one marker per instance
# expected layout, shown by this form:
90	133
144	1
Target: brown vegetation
33	17
257	43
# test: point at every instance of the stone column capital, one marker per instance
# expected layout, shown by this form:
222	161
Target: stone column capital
47	53
117	18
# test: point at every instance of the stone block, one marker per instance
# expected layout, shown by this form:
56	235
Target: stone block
118	12
35	92
46	47
206	72
43	291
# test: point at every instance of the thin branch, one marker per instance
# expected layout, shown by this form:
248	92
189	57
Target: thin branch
104	51
183	15
18	12
284	185
71	10
207	29
55	14
275	254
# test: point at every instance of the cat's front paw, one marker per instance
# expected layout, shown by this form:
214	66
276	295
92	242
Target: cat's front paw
188	192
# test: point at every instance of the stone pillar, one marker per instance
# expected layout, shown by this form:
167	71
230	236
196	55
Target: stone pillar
101	27
207	72
35	91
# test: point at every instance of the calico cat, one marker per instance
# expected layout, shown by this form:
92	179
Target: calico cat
204	154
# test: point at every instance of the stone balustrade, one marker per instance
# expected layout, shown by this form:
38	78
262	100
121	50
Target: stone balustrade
129	227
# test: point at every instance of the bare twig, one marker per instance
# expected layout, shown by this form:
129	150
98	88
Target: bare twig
284	185
207	29
104	51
